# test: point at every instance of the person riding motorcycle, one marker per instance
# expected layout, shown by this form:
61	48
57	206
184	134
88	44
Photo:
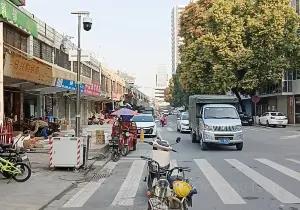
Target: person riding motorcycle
163	120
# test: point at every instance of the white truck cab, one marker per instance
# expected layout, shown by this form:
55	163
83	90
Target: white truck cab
215	120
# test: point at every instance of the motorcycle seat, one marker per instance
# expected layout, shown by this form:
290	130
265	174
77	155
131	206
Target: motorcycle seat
162	143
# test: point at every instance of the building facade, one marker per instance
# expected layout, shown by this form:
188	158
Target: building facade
175	38
38	78
283	96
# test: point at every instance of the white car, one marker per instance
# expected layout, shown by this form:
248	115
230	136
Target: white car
183	123
273	119
147	123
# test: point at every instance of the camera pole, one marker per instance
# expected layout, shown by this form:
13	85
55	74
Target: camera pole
79	14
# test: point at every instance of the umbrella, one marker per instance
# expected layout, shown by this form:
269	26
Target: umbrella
124	112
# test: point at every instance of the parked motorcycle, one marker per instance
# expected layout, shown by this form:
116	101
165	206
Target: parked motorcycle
95	121
114	149
167	189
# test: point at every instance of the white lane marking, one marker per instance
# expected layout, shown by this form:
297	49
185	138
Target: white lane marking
128	190
170	129
82	196
290	137
226	193
276	190
285	170
173	163
293	160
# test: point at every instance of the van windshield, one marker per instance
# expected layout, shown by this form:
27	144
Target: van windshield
220	113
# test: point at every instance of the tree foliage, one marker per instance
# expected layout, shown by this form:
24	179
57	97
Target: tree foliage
237	45
177	96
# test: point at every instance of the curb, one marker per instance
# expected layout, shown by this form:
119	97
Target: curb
59	195
103	151
73	185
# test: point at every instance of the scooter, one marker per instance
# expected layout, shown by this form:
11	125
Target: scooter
163	122
165	194
161	161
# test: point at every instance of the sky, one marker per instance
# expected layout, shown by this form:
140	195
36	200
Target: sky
133	36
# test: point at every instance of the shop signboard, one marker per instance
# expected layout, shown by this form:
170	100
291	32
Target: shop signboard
68	84
20	67
93	90
13	14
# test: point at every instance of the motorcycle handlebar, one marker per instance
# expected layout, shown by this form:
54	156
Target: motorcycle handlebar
146	158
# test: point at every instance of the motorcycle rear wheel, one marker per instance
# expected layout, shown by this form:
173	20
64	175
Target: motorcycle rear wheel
115	156
125	150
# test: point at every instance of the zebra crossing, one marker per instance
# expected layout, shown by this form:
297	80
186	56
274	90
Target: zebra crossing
223	186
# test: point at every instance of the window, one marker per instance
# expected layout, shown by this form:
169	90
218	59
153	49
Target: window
95	76
220	113
15	38
298	72
287	83
42	50
143	118
62	59
86	71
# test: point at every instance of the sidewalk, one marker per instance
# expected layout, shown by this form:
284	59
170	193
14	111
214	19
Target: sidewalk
45	185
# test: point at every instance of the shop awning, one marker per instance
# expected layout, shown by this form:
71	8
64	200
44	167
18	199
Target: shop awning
14	15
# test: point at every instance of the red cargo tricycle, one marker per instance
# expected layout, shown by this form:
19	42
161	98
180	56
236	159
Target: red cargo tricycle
125	131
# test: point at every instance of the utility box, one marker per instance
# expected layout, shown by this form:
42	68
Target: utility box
66	152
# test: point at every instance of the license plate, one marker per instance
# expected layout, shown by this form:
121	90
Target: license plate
24	157
280	122
224	141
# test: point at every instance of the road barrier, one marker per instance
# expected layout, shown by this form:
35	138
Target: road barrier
6	133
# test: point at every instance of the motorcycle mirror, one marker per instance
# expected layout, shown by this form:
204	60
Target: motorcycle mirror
178	140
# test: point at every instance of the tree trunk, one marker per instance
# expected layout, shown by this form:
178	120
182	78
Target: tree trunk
237	94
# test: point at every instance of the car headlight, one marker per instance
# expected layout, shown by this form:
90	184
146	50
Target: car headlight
238	128
208	127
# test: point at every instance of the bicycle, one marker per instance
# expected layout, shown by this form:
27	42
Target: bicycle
14	171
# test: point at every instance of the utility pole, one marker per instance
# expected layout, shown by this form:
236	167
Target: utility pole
87	26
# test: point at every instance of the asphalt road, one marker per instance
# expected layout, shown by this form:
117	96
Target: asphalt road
265	175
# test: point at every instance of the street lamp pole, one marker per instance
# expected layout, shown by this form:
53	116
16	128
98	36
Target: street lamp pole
77	129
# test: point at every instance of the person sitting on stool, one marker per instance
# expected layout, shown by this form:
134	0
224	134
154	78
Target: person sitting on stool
42	126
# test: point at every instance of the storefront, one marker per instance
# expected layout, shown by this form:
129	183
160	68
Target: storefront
22	76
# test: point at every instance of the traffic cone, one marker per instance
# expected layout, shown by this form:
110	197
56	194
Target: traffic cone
142	135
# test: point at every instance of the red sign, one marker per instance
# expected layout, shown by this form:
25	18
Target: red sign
255	99
93	90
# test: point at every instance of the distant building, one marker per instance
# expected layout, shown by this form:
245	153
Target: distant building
162	79
176	39
161	83
129	79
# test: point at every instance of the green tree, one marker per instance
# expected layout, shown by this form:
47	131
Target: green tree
237	45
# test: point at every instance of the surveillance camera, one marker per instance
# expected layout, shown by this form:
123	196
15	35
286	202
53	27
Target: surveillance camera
87	23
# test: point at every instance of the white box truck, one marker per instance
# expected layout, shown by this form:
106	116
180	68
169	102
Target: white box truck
214	119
